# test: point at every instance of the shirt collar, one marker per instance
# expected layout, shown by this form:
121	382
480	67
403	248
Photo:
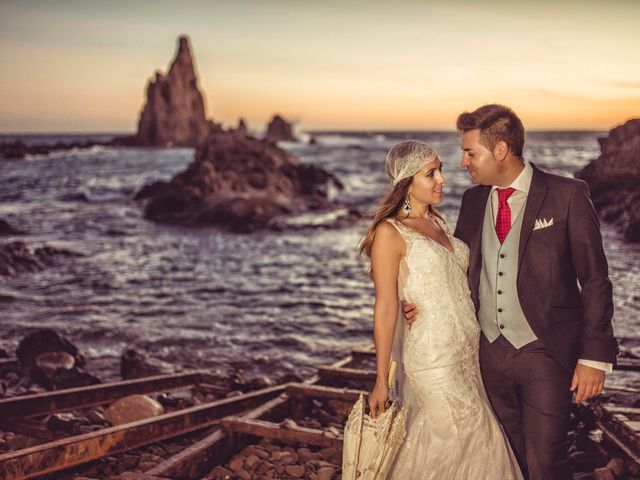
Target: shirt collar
522	181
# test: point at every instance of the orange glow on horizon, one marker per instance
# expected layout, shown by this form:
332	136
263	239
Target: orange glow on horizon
414	66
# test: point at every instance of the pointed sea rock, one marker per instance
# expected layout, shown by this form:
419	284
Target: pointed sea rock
279	129
174	114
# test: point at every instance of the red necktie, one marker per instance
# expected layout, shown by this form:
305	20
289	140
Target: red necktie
503	221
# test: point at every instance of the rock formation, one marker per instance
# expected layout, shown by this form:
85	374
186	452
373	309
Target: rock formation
614	179
174	113
135	364
46	340
242	127
239	183
7	229
16	257
279	129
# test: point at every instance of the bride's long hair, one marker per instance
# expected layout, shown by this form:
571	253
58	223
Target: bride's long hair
391	204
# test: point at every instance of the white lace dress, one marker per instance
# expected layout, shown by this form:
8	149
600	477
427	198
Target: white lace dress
452	432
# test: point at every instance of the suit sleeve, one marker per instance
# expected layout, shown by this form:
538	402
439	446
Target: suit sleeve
590	263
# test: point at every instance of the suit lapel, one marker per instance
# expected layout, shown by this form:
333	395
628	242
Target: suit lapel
537	192
475	239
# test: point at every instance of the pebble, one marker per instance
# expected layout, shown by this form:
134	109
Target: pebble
296	471
617	466
95	416
237	463
326	473
252	460
603	474
257	451
220	472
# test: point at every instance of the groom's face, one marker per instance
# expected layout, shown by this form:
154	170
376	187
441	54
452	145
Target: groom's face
477	159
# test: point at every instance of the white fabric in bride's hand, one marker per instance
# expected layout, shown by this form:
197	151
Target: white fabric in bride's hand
371	444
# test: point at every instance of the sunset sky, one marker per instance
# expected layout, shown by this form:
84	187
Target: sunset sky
82	66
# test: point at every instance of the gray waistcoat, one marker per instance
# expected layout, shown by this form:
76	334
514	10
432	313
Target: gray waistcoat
500	311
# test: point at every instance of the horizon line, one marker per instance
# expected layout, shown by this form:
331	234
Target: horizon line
322	131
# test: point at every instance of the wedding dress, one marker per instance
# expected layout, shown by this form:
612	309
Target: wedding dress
452	432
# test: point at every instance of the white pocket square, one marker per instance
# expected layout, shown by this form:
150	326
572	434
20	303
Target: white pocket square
542	223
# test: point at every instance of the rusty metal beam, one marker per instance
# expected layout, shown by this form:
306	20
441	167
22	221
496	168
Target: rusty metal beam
217	447
363	353
81	397
289	434
72	451
301	391
619	431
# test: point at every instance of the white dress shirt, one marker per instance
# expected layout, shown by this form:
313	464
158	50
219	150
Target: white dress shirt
516	201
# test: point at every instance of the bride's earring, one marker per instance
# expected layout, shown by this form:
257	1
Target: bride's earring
406	209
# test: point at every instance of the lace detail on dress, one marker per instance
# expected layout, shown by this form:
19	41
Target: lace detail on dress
461	394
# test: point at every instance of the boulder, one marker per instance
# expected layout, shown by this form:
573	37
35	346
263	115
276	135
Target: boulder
7	229
71	378
614	179
18	257
135	364
279	129
239	183
132	408
43	341
174	113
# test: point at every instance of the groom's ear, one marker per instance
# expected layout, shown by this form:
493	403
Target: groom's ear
501	150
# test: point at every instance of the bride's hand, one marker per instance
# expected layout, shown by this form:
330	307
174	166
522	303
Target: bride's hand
378	399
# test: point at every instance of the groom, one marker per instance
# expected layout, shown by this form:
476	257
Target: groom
538	278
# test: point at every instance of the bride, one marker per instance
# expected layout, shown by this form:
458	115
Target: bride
452	432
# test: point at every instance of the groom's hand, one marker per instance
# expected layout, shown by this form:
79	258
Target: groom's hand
410	312
587	382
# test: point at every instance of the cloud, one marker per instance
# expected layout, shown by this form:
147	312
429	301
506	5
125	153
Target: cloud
632	85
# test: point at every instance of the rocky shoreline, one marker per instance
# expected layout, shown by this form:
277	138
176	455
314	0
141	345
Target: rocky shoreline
614	179
44	356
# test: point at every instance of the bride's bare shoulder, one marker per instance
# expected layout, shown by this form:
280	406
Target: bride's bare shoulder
388	237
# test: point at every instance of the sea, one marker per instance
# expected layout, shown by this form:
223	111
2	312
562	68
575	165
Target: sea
269	303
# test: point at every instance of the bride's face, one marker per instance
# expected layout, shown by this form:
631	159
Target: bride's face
427	185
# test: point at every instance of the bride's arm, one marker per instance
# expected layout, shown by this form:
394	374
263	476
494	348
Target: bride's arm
386	252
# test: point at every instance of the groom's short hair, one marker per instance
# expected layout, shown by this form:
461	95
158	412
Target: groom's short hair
496	123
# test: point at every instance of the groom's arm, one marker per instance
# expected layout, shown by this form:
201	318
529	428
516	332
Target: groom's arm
590	263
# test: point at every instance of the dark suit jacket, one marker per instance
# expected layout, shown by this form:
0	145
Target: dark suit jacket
571	321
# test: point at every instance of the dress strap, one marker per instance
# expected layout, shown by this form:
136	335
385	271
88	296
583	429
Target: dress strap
399	226
408	234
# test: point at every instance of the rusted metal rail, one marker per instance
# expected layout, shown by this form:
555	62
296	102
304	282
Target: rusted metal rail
222	444
82	397
216	447
620	427
76	450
